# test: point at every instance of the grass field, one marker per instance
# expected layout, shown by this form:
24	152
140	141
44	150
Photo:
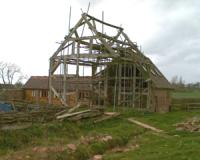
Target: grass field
187	93
173	145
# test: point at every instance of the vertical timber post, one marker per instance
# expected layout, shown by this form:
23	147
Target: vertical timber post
134	84
119	84
149	96
77	69
50	82
65	79
106	86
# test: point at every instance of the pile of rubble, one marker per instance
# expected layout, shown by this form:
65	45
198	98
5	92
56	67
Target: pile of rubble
191	125
96	138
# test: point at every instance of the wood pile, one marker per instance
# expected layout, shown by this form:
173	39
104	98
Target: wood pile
97	114
40	115
191	125
47	114
75	116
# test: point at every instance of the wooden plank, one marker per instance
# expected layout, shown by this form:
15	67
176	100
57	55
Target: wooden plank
74	108
108	115
55	66
85	55
100	38
86	115
56	93
67	38
72	114
93	18
144	125
114	39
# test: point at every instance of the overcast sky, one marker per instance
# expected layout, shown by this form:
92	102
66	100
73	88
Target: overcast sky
167	30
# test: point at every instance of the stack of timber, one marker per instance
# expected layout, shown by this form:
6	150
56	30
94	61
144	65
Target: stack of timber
75	116
40	115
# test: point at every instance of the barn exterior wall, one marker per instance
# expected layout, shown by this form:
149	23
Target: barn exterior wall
162	100
36	96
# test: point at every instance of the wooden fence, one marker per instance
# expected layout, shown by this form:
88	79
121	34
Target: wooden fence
186	103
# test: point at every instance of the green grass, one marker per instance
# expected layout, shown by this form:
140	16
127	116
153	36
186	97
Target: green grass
176	145
173	145
186	94
153	147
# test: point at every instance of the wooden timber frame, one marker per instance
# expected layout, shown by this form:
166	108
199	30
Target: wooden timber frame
120	73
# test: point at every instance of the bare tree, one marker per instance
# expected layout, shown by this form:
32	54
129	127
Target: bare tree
174	80
178	82
10	73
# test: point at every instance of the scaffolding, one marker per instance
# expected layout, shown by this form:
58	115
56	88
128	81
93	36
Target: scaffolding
120	73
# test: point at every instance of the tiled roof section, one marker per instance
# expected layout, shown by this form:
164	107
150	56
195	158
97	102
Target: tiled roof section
37	82
161	82
158	79
41	82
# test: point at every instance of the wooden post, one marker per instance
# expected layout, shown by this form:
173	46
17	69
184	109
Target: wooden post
65	80
77	59
149	95
134	84
93	94
50	82
124	87
106	85
73	48
77	70
115	89
91	44
119	84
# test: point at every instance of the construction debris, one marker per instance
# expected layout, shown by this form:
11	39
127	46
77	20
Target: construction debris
144	125
96	138
66	115
75	116
97	157
41	115
71	147
54	149
191	125
125	149
106	116
74	108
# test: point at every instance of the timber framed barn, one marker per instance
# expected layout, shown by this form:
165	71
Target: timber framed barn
119	73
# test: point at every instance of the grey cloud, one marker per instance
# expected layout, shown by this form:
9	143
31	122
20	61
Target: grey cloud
177	44
168	5
86	2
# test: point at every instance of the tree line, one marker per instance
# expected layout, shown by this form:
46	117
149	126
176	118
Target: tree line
179	82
